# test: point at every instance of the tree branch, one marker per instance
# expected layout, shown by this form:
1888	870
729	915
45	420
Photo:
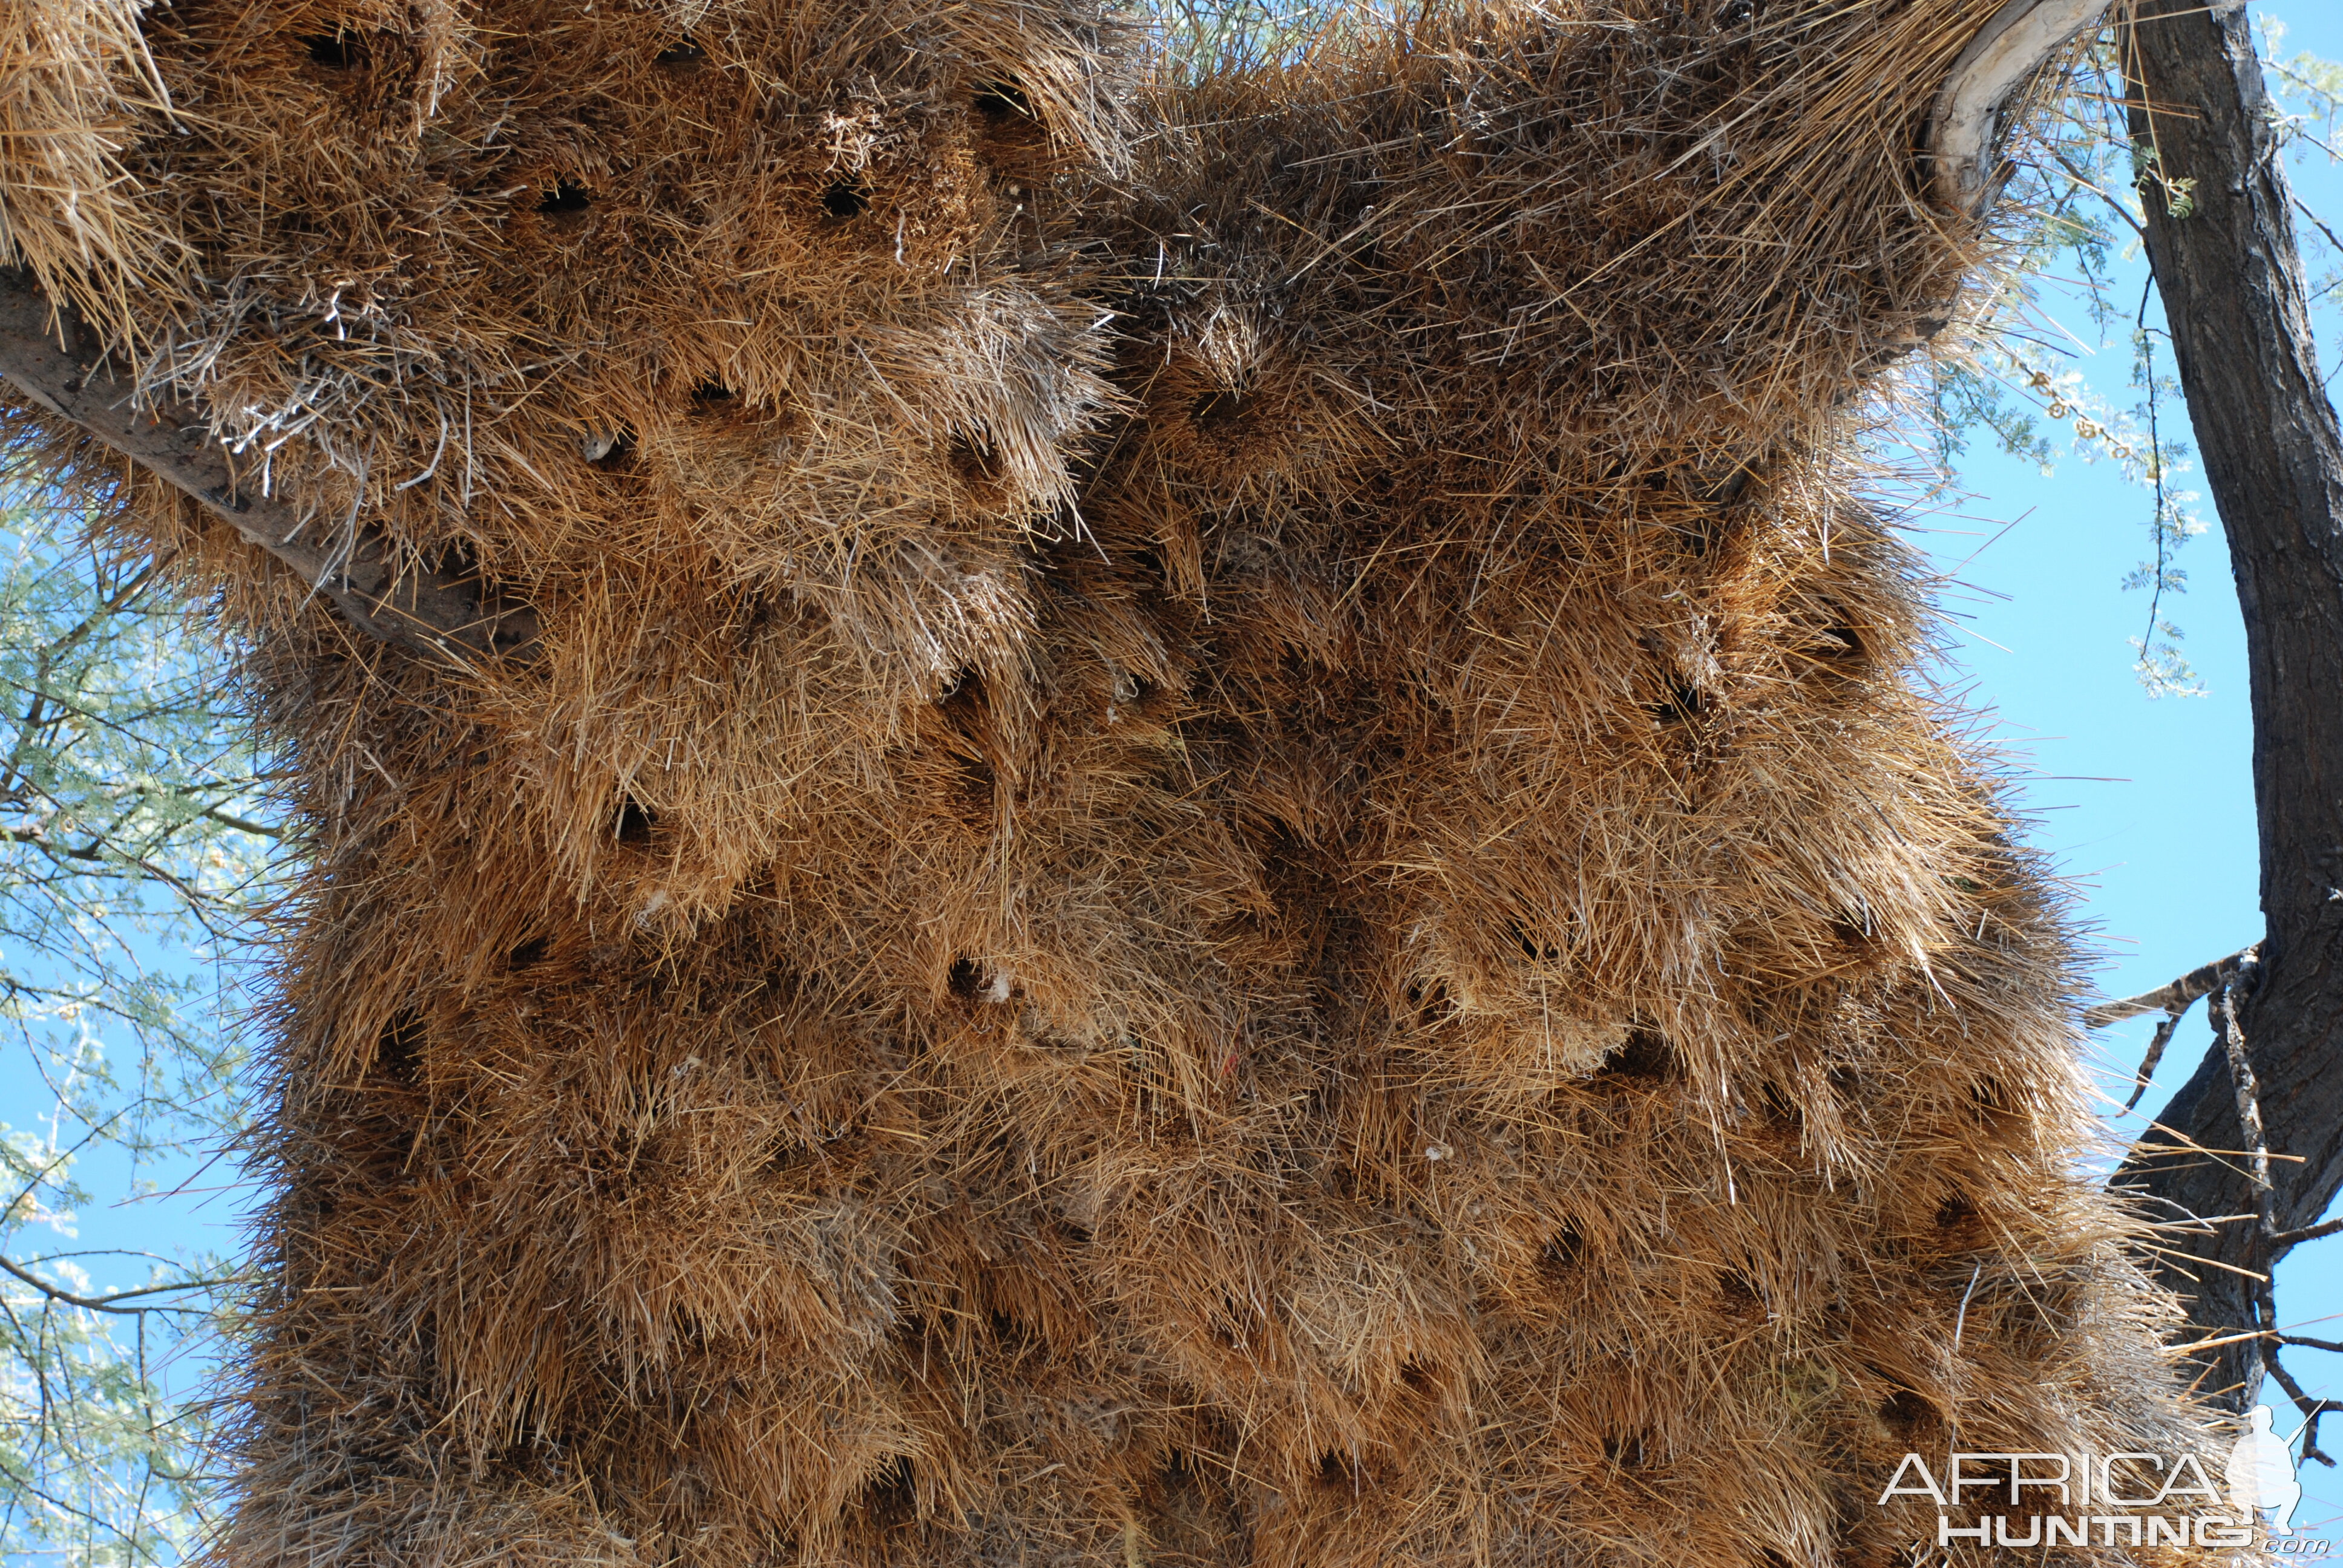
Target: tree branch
2307	1234
1965	126
108	1304
2173	997
447	614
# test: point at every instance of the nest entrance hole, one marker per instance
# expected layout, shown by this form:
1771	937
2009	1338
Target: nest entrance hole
891	1495
1219	411
336	51
974	459
1534	945
1904	1411
1009	130
683	57
1646	1055
1838	646
1681	706
634	824
971	981
1343	1470
1430	1000
1009	1332
609	450
1563	1255
1004	102
1841	642
1699	536
844	200
567	198
1855	931
1991	1105
398	1049
1636	1450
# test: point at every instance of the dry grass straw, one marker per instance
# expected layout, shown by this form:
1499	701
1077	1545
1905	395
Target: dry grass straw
75	75
1225	851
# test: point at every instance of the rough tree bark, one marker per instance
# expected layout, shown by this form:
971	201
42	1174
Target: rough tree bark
2223	253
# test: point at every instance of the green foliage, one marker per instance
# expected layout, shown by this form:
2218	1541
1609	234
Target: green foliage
129	873
2076	227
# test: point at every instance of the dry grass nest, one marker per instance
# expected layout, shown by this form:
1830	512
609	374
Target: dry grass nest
1222	849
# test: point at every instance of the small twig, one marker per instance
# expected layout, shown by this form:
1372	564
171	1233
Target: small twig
1961	1320
2319	223
2083	178
2148	1063
2194	1346
2318	1232
2188	1260
2311	1409
2163	563
106	1303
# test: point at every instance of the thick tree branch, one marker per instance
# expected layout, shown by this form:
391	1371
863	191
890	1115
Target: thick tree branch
2225	264
1972	108
441	612
2171	1000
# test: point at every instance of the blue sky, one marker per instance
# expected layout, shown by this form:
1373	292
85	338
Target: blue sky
2143	803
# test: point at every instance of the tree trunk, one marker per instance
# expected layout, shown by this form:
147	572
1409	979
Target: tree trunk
2223	251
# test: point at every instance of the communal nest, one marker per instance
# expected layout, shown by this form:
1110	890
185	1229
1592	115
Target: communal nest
1215	843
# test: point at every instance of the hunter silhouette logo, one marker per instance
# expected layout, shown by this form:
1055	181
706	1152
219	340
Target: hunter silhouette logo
2260	1473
